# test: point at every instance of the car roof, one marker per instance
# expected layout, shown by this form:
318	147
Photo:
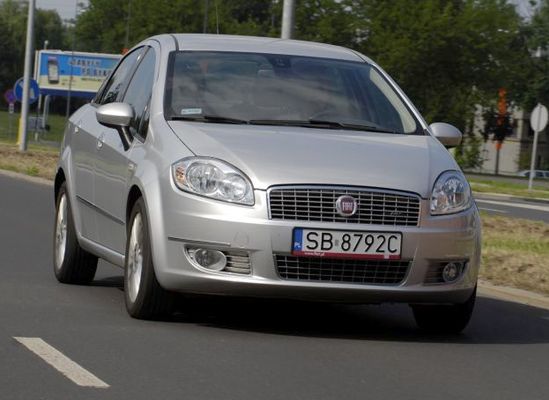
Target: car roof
253	44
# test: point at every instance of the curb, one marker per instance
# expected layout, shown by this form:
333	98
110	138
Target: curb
521	296
33	179
499	196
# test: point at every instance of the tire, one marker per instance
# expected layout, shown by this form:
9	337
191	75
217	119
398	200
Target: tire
444	318
145	298
71	263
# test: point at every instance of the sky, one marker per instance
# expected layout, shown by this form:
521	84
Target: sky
67	8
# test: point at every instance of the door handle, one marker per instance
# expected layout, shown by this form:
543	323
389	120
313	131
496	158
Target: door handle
77	126
100	140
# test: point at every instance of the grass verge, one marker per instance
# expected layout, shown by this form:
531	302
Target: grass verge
515	253
514	189
35	162
9	126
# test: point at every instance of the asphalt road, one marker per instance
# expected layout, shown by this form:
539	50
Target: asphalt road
536	211
242	349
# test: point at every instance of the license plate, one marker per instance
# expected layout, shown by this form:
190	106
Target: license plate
346	244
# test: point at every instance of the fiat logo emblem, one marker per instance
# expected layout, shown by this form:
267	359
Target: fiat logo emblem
346	206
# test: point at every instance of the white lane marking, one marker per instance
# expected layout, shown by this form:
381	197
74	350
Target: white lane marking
516	205
493	210
62	363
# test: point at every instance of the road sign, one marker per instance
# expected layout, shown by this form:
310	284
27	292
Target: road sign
538	118
538	122
9	96
34	90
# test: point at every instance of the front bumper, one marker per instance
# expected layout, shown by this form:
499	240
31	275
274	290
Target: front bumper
192	221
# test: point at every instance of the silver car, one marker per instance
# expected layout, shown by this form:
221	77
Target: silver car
262	167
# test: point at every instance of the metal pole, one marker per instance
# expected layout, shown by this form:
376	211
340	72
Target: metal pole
288	19
46	111
127	40
206	6
9	121
497	160
534	151
68	111
26	79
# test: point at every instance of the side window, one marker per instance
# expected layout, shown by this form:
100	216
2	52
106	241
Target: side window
139	92
113	87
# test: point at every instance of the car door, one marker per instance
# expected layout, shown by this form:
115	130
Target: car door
85	138
82	142
114	168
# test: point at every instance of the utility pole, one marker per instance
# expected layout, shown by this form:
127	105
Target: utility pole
128	18
205	25
288	19
69	94
26	79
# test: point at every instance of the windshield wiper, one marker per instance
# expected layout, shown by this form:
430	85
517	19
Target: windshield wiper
316	123
209	118
352	126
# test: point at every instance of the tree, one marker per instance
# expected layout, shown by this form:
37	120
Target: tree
536	35
13	26
105	25
448	55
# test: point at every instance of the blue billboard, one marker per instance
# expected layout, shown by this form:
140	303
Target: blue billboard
55	69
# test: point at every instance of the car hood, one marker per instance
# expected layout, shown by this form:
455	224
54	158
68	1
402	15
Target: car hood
293	155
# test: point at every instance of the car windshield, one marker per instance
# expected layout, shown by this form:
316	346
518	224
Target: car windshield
274	89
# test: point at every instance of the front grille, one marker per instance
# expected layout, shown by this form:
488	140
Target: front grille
318	204
374	272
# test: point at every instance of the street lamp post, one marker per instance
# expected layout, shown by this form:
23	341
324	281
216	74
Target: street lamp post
26	78
288	19
77	8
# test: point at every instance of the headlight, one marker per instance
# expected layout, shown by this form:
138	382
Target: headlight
213	178
451	194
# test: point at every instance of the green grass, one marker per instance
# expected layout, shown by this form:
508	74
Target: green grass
515	252
55	134
515	189
37	161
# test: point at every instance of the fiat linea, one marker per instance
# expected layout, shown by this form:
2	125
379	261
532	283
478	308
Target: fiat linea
260	167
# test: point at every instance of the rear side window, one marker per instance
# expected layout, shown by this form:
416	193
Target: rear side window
139	92
112	90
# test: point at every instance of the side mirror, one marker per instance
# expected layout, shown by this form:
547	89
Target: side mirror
117	116
447	134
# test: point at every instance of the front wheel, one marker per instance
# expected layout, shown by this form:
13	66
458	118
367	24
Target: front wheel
71	263
145	298
445	318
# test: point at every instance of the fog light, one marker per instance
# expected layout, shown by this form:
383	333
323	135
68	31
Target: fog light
450	272
210	259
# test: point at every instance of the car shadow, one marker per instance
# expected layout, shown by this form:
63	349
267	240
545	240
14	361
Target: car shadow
110	281
494	321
